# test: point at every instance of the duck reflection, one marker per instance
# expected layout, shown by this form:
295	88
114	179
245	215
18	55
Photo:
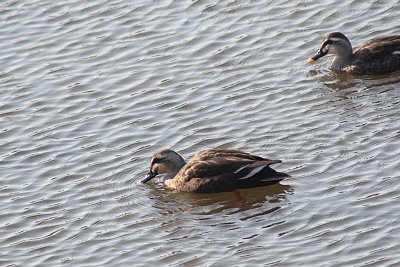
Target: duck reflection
338	81
169	201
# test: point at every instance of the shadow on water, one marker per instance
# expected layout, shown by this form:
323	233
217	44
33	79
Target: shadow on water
170	201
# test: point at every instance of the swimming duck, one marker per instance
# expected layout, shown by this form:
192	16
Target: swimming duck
377	56
213	170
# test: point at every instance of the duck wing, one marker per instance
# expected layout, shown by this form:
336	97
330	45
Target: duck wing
208	176
226	174
212	167
377	56
227	153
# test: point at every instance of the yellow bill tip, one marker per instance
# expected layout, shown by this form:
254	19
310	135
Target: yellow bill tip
310	59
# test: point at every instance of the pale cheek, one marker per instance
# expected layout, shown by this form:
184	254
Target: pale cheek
332	50
161	169
327	49
156	168
153	169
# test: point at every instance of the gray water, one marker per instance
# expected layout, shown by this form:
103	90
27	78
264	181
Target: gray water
89	90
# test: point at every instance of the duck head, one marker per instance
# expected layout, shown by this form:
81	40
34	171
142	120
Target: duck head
165	161
334	43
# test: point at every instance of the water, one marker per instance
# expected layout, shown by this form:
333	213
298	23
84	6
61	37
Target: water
91	89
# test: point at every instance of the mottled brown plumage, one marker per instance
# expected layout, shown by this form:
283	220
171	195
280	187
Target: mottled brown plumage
378	56
213	170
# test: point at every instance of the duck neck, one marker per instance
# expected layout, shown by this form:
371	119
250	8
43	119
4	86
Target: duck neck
174	168
343	57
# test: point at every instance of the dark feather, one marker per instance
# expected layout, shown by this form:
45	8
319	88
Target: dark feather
377	56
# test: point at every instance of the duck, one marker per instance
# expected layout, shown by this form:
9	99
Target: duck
213	171
377	56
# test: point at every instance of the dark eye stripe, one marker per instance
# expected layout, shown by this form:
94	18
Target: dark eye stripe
155	160
327	42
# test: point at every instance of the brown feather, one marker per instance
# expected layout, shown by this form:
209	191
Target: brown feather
377	56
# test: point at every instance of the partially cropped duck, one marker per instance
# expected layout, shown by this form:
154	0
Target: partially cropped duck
214	170
377	56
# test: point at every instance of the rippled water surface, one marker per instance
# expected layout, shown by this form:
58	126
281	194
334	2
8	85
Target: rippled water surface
89	90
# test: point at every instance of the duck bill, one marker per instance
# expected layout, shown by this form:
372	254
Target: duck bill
148	177
319	54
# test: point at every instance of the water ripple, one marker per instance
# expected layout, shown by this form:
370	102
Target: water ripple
89	90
